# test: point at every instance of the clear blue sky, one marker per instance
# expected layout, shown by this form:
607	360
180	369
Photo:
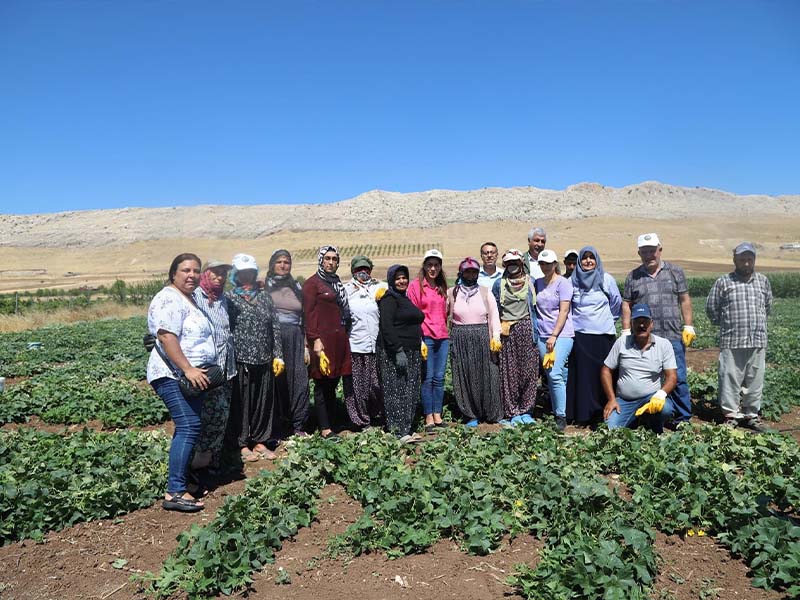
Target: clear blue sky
118	103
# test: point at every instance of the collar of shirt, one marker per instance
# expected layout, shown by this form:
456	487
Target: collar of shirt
649	343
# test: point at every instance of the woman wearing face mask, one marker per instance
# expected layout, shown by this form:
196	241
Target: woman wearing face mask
519	356
428	292
259	360
596	304
554	324
398	354
475	335
328	320
211	299
362	392
292	385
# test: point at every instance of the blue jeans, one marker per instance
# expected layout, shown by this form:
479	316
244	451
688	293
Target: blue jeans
627	414
680	395
433	383
185	413
557	374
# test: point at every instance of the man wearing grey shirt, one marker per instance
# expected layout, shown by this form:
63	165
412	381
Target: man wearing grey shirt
647	374
739	303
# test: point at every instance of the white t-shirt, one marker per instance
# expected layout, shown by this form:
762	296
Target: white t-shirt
172	311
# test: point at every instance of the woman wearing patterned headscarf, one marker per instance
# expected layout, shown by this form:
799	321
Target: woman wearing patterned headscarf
259	359
292	385
519	357
596	304
474	335
399	356
363	398
327	319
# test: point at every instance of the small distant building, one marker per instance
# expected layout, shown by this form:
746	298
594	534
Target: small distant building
791	246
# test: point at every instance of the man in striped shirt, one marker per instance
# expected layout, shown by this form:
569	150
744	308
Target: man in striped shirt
739	303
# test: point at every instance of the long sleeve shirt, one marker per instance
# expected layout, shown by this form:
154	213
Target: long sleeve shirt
255	328
479	309
433	305
594	311
400	324
740	308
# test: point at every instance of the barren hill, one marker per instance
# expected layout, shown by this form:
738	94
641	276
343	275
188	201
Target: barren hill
381	211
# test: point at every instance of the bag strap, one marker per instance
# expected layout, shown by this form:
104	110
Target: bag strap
175	370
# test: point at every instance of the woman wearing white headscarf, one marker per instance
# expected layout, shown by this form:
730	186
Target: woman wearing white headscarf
328	321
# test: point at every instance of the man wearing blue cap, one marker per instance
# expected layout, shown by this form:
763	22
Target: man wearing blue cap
739	303
647	373
662	286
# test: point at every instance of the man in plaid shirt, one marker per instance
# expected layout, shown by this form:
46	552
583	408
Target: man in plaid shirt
739	303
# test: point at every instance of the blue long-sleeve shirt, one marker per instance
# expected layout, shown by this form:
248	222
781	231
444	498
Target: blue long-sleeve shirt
595	311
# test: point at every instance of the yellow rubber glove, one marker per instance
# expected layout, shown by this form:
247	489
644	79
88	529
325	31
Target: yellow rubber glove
505	327
495	345
549	360
655	404
379	293
688	335
423	350
278	367
324	364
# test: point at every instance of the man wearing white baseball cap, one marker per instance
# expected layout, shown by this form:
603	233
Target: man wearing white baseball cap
662	286
740	303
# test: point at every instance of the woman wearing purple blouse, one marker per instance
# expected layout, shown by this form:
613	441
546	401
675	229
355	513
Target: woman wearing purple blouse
554	323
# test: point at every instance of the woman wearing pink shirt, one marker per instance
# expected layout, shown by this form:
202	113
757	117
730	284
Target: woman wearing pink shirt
428	292
475	329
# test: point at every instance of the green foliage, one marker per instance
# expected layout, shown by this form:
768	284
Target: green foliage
48	481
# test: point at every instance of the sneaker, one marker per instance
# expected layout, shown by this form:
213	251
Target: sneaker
731	422
561	423
504	423
754	424
517	421
472	423
300	434
527	419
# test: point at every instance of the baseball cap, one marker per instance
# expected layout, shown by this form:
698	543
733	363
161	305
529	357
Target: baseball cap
744	247
571	251
648	239
512	255
360	261
468	263
214	263
640	311
432	253
547	256
242	262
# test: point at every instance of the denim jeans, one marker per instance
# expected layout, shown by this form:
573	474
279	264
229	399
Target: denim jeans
680	395
433	382
627	414
185	414
557	374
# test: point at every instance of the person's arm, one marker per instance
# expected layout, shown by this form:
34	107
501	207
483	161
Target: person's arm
386	326
614	298
607	384
310	315
670	380
563	313
172	348
627	304
494	316
713	303
768	296
277	344
686	308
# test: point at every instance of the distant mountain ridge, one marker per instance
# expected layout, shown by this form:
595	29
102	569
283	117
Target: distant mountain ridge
384	211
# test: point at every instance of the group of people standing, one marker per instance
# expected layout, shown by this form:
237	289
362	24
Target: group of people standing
388	345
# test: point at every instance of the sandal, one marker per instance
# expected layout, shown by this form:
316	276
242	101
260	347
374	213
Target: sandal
264	452
182	504
249	456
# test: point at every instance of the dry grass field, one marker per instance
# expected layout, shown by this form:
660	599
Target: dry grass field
701	246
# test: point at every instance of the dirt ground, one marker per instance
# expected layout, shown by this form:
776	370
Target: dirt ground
96	560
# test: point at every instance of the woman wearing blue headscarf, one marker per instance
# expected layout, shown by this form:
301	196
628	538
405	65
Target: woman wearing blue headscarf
596	304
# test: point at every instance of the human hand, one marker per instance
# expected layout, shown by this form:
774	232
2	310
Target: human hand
611	406
551	343
318	347
688	335
278	366
655	405
423	350
495	345
324	364
549	360
197	377
306	356
401	362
